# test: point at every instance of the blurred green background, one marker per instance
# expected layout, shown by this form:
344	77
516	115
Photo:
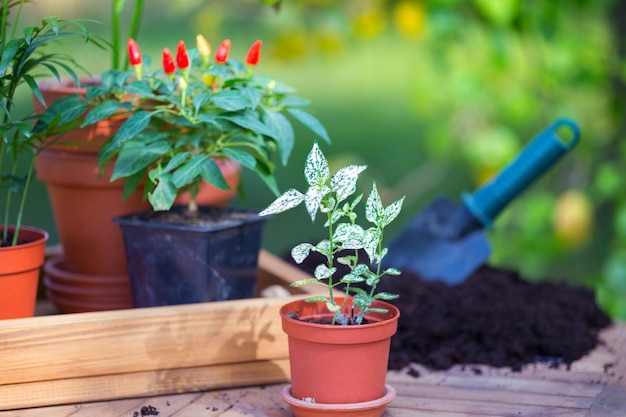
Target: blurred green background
434	96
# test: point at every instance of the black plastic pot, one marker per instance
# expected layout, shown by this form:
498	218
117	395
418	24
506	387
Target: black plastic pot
171	263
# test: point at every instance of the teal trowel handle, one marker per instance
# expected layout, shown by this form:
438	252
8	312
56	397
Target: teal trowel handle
536	157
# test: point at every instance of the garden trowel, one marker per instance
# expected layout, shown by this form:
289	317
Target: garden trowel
446	241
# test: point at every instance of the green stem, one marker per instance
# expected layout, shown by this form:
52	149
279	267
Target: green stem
17	19
18	223
116	11
3	23
134	25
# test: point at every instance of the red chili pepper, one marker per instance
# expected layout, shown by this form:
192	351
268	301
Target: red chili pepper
134	54
168	61
254	53
221	55
182	59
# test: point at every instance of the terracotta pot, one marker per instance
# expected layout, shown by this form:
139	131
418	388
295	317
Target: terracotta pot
374	408
333	364
19	273
84	204
87	140
212	196
76	293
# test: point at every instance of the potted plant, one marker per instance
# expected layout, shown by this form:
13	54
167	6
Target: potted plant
339	344
22	60
184	120
90	273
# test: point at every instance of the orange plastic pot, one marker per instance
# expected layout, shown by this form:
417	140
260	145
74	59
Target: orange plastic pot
19	273
332	364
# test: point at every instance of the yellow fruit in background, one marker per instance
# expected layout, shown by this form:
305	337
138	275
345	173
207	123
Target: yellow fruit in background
409	18
572	219
369	24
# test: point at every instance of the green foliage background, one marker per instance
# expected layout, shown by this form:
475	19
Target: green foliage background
433	95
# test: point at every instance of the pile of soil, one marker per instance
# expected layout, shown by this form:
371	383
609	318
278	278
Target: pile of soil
494	317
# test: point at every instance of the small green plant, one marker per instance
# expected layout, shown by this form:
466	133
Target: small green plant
329	195
22	60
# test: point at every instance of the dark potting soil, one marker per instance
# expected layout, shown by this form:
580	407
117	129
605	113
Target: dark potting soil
494	317
205	216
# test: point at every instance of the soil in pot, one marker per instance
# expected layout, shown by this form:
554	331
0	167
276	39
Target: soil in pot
495	317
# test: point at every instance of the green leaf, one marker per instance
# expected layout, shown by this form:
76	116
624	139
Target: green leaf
8	53
316	170
282	131
290	199
164	194
392	271
53	22
386	296
230	100
243	157
211	172
292	101
351	236
374	210
132	127
308	281
313	199
131	183
300	252
188	171
311	122
352	279
391	212
200	100
104	110
344	181
254	96
140	89
176	161
33	86
248	119
137	155
324	272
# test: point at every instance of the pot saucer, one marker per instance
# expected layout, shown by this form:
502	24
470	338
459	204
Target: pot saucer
374	408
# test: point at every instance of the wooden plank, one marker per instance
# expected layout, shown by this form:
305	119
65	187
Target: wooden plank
611	402
492	406
129	385
140	340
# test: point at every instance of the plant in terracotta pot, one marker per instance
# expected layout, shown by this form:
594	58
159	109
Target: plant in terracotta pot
185	119
328	332
22	60
91	273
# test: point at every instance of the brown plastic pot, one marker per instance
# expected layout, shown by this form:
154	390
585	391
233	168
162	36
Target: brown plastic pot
19	273
72	292
332	364
84	204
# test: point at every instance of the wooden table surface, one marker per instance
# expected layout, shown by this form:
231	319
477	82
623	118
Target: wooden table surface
592	386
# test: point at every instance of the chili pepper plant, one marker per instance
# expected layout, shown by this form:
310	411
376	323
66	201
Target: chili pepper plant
186	115
329	195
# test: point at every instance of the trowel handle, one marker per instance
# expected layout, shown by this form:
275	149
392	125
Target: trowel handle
535	159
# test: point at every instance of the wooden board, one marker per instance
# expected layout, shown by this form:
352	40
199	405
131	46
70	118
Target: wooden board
592	387
66	358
